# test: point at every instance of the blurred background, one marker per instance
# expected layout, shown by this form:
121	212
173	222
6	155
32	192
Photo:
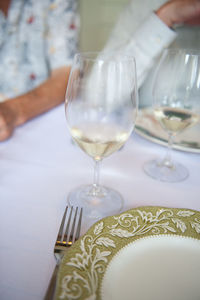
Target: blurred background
97	20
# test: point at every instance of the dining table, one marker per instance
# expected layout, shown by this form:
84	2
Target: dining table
40	165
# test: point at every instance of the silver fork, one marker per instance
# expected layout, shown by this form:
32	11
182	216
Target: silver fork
68	233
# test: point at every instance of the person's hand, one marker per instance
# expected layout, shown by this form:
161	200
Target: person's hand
7	120
179	12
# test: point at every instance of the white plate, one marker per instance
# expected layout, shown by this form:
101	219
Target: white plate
148	127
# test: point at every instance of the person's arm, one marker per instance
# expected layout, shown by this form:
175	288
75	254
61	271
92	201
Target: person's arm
60	46
149	39
17	111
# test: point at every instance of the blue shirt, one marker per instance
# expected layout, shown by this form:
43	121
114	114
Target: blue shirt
36	37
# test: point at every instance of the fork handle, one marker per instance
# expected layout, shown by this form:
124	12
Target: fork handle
52	284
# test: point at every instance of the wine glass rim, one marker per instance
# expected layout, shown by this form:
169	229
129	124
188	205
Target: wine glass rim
97	55
186	51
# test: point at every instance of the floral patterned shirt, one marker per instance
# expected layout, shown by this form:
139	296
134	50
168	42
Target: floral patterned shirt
36	37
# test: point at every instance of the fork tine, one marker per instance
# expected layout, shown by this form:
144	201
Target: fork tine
71	236
60	232
78	230
66	232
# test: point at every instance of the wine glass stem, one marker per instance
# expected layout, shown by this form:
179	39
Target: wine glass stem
95	184
167	161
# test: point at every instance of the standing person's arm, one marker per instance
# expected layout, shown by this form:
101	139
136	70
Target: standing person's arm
154	34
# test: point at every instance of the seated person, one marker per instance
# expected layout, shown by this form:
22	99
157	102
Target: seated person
146	27
38	40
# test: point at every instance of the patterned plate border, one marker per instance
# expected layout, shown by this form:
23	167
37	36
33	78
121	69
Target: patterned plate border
84	265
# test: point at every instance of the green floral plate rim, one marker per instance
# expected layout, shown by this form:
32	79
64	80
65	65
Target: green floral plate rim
84	265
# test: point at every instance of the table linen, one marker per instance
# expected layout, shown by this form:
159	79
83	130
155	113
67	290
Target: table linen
39	167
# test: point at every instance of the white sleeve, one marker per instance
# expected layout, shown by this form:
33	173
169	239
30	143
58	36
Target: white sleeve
145	44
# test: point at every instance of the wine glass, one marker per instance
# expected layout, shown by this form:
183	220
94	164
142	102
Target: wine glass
101	107
176	104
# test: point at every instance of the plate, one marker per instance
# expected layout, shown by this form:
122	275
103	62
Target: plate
148	127
152	251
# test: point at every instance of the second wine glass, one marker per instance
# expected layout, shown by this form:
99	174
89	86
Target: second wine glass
176	105
101	107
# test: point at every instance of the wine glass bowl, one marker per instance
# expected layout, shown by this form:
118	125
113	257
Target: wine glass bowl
101	107
176	105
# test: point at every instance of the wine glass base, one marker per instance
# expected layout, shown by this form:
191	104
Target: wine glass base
105	202
160	171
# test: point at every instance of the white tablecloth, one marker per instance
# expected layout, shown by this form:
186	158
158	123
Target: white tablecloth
39	166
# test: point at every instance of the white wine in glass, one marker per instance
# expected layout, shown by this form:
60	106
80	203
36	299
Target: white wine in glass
176	104
101	107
